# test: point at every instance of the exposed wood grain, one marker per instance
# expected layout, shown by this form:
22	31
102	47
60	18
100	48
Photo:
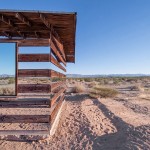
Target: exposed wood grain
24	118
33	58
25	103
29	25
16	71
34	73
56	52
34	88
24	132
57	74
56	96
23	19
58	43
55	110
56	63
40	73
56	85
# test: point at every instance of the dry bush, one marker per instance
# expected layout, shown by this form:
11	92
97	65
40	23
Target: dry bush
103	92
7	91
11	81
92	84
78	88
137	88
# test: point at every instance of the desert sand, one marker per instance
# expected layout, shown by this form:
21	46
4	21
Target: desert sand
119	123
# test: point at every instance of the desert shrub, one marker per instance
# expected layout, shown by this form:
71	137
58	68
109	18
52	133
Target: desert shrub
103	92
78	88
7	91
92	84
136	88
55	79
11	80
88	79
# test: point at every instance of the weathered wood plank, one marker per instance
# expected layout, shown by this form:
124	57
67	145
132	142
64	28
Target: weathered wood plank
33	58
57	74
23	19
27	42
55	110
25	103
34	88
24	118
33	42
56	96
40	73
56	52
56	63
34	73
16	72
24	132
8	98
56	85
59	45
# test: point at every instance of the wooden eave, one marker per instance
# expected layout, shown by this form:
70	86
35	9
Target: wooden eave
24	26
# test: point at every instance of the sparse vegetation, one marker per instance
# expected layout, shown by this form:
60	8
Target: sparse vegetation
7	91
78	88
92	84
137	88
11	80
103	92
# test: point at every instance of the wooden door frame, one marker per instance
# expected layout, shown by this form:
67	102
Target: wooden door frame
16	70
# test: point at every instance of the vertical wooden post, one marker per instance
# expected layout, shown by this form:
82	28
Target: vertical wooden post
16	75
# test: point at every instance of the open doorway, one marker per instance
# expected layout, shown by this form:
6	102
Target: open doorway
7	69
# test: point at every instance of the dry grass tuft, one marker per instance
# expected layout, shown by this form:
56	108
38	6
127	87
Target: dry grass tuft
7	91
103	92
78	88
137	88
92	84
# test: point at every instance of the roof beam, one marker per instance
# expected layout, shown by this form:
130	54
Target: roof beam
44	20
7	35
21	34
10	23
7	21
23	19
37	34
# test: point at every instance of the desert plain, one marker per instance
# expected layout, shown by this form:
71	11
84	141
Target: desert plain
102	113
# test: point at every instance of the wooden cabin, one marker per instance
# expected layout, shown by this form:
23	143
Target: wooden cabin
38	29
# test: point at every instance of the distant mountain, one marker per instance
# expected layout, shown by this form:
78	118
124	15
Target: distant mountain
6	75
103	75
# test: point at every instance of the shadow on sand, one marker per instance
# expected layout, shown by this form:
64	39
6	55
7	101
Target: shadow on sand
126	137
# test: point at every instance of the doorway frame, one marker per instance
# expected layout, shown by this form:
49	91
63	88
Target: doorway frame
16	70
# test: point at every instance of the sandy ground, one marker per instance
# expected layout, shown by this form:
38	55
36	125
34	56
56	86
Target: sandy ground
85	123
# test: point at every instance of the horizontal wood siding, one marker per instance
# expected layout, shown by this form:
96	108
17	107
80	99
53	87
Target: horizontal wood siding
33	57
56	85
24	118
56	52
55	110
59	45
29	103
40	73
34	73
56	96
57	74
34	88
56	63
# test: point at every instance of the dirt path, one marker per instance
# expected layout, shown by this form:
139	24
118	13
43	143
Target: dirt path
93	124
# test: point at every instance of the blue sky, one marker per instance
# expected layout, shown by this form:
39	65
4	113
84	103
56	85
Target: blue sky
113	36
